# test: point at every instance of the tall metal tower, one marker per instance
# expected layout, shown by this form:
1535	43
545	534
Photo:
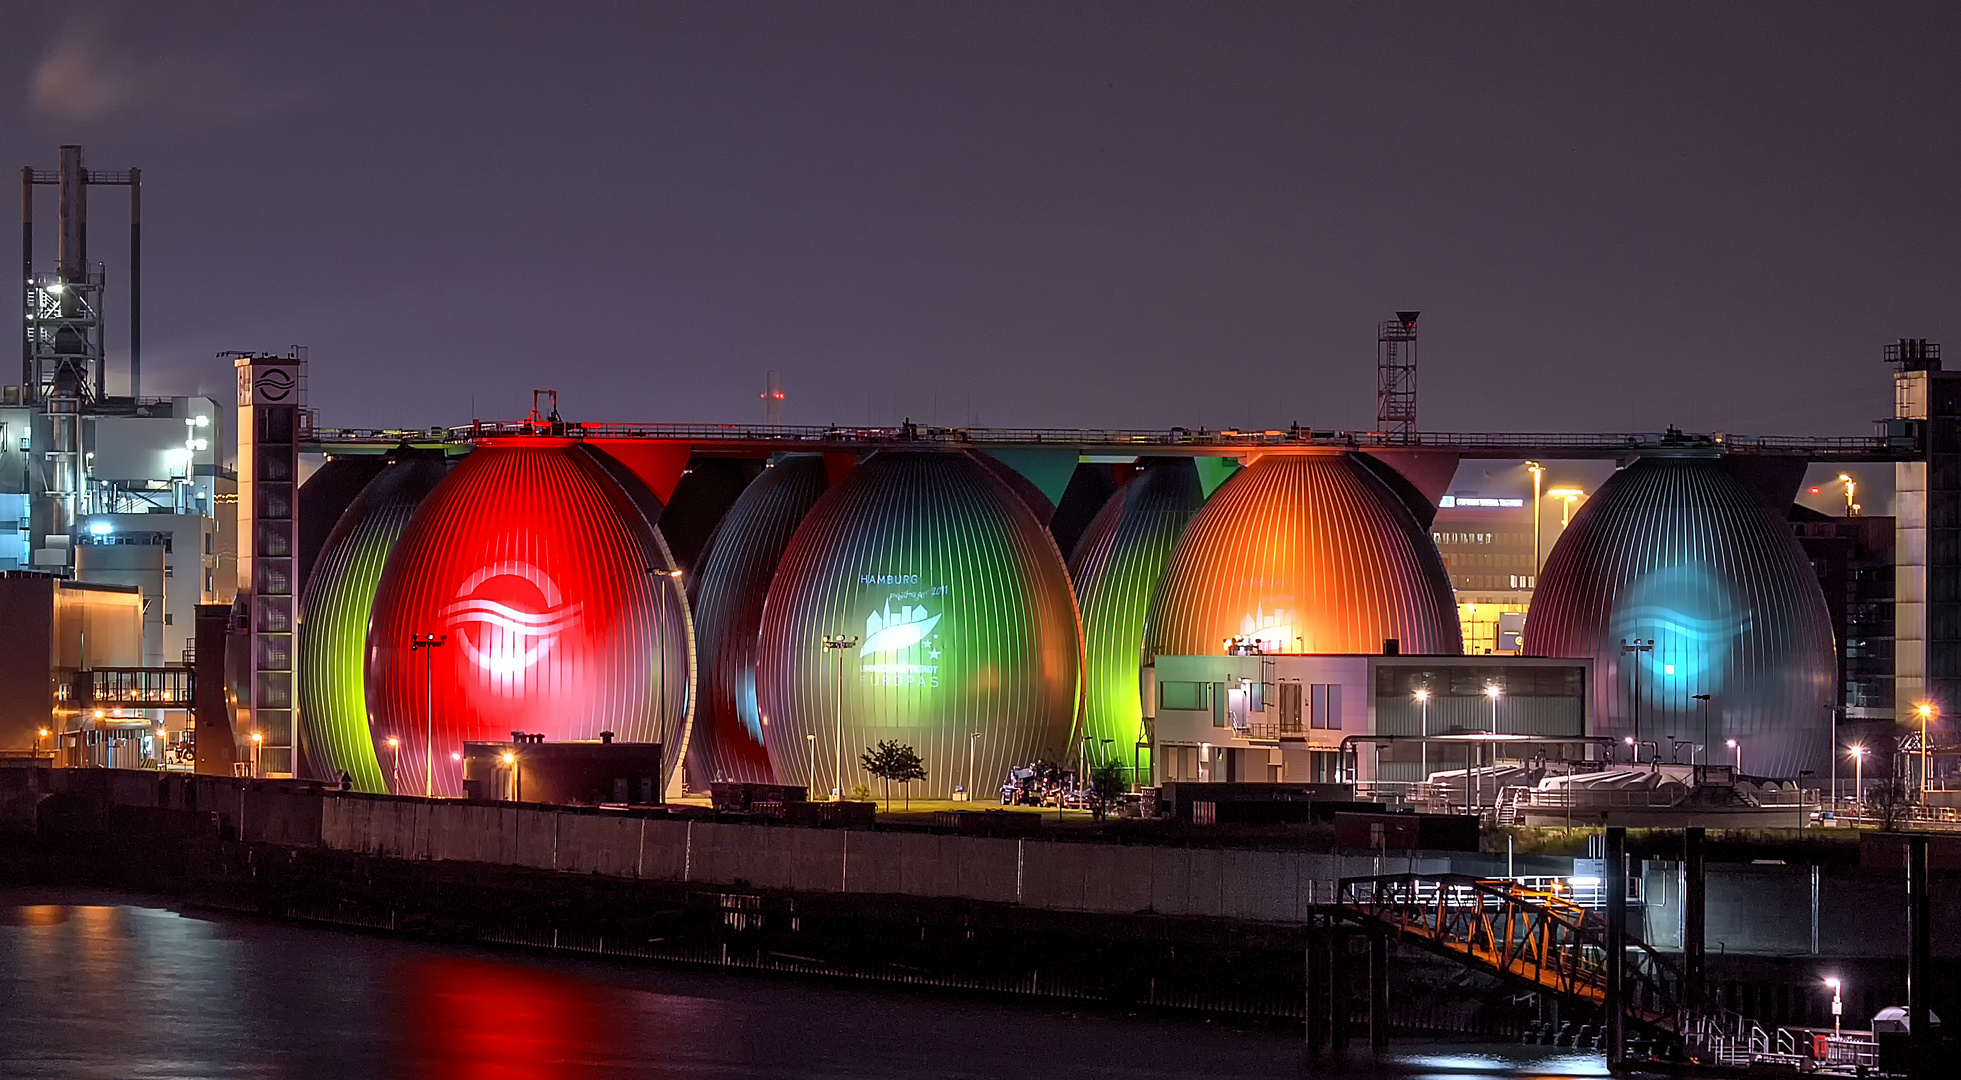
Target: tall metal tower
1395	377
63	348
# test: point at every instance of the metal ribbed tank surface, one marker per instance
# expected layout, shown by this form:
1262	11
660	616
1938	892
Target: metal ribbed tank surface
965	624
726	593
1116	568
1676	551
1304	552
544	574
334	613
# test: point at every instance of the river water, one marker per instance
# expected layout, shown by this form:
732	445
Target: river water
112	986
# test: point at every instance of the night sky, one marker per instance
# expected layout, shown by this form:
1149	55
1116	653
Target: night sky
1045	214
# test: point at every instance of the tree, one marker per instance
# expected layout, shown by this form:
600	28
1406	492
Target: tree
1107	784
891	761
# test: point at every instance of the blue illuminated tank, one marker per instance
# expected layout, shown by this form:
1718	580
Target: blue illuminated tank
1676	551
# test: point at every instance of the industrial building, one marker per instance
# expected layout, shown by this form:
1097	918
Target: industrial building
769	600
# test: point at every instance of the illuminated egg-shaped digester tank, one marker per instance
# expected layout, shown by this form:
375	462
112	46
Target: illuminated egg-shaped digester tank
548	588
1116	567
965	640
1677	552
333	626
726	594
1304	553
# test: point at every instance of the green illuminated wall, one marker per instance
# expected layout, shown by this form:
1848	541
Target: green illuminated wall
333	627
964	619
1116	568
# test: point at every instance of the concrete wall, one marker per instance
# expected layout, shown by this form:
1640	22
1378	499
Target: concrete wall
1753	910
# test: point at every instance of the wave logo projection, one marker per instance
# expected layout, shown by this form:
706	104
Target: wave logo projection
508	616
1690	613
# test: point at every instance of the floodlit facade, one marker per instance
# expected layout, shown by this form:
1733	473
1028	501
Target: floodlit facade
963	629
1678	553
552	592
1304	553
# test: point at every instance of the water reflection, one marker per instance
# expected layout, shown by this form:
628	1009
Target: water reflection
95	986
462	1019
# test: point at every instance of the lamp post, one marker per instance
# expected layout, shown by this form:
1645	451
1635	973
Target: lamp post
838	643
1736	752
660	650
1925	711
258	740
395	765
1838	1005
1704	699
973	742
1423	703
1569	496
1538	479
428	643
1635	648
1492	691
1633	750
517	777
811	742
1859	778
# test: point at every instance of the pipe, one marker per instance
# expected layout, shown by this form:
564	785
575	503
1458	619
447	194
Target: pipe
1614	880
28	299
135	283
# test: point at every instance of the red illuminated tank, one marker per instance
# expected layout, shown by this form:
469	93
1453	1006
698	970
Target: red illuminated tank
548	583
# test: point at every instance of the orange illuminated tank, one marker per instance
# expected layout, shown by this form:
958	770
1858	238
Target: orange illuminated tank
1304	553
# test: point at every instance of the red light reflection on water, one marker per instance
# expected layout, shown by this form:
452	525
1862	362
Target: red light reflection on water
472	1020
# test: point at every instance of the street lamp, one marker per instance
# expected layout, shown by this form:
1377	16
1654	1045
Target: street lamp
1859	778
1736	751
517	777
1632	648
1838	1004
660	650
1633	750
1704	698
1538	479
838	643
258	740
1925	711
429	643
1491	691
972	742
395	784
811	742
1423	702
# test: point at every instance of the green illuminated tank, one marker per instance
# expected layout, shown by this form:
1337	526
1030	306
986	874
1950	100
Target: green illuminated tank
1116	568
966	645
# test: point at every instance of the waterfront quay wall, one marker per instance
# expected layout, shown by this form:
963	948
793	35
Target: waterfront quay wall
1753	910
1266	886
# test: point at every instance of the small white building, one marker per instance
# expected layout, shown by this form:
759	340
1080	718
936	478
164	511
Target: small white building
1371	719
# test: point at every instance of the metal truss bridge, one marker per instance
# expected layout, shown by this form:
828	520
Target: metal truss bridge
1894	445
1542	940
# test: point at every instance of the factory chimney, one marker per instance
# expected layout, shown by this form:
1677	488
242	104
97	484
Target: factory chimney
773	399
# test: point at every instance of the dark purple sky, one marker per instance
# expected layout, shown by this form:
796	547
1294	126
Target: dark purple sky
1027	214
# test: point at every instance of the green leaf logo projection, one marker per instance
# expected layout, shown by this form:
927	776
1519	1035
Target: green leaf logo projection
902	643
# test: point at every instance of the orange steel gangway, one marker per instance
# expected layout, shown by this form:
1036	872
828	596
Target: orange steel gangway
1542	939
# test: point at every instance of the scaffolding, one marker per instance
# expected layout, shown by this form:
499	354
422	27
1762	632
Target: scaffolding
1395	378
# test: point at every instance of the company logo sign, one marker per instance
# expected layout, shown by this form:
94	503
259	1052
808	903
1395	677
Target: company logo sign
264	384
508	616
